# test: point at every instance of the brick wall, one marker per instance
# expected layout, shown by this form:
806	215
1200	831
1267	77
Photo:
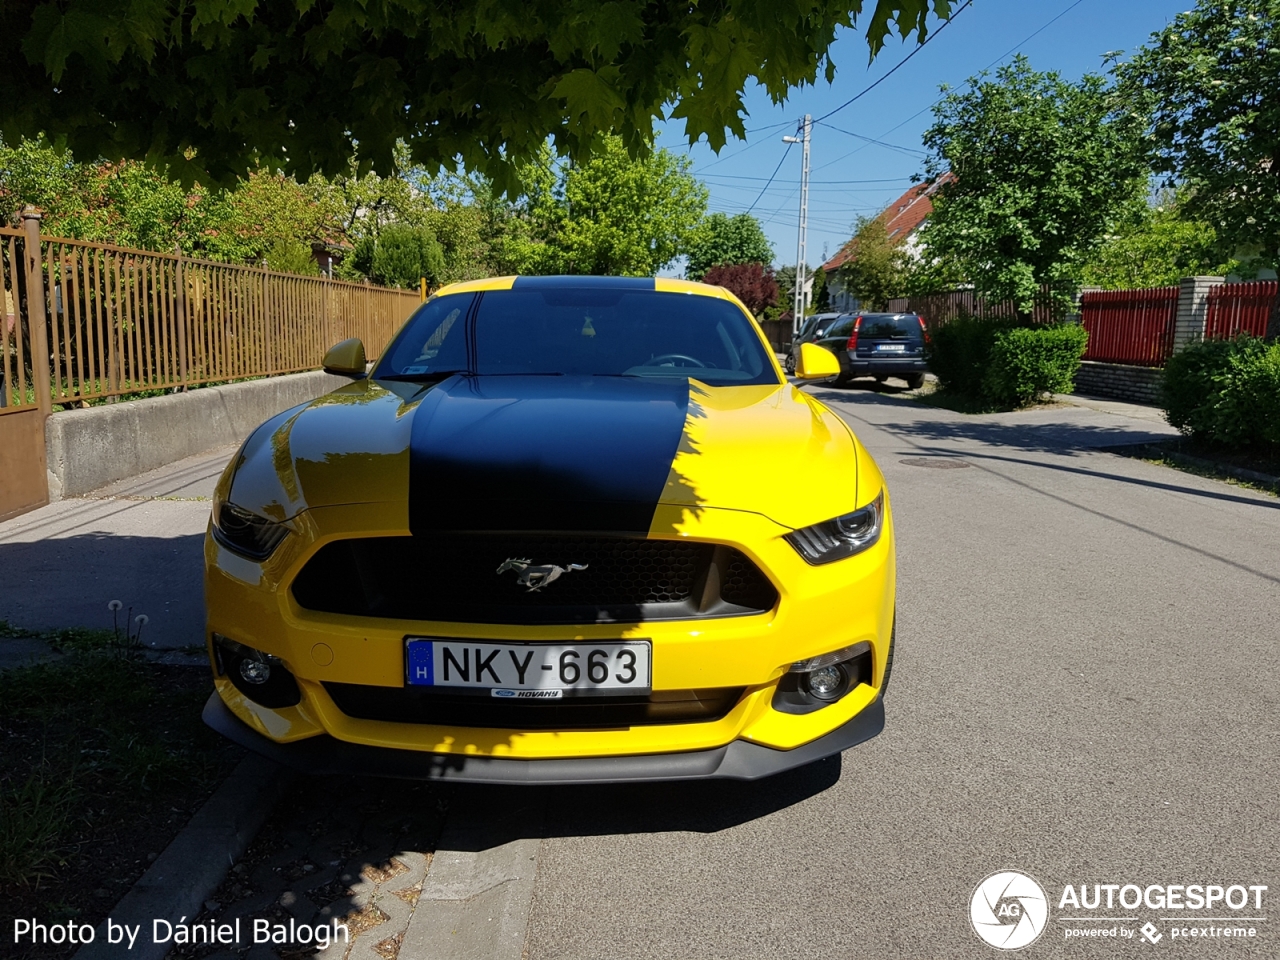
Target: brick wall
1118	381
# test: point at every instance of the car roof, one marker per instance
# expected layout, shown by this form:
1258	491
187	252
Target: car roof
658	284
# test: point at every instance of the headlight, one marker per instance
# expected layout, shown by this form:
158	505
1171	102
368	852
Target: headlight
246	533
841	537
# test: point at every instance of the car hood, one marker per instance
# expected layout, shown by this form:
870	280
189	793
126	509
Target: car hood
552	453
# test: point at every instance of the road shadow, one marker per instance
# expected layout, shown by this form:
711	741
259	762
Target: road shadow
59	582
498	815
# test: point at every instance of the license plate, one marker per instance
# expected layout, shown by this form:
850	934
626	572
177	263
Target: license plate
529	671
891	347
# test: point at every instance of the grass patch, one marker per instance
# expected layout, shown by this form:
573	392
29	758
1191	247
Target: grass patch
963	403
1248	470
103	759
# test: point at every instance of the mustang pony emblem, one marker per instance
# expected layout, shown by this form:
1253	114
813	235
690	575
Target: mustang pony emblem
535	578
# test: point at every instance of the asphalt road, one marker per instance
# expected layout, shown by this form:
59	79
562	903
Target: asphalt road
1085	690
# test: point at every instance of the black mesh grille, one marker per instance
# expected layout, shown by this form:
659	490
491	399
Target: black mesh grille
454	578
416	705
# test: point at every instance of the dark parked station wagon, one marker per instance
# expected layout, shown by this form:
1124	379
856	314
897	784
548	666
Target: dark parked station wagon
878	345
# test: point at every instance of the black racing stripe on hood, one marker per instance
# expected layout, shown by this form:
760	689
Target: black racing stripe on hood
543	453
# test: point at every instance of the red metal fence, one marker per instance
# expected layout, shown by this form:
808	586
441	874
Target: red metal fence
1240	308
1130	326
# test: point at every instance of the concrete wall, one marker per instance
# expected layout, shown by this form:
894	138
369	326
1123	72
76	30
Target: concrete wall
88	449
1119	381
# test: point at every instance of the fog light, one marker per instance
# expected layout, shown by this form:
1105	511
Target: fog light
255	671
826	683
261	677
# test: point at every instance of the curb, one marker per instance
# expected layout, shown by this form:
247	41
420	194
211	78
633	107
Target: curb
1186	459
478	893
194	864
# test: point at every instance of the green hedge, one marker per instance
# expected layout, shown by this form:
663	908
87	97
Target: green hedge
1225	392
1028	362
1003	363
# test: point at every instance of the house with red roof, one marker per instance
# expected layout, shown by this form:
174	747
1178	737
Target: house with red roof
902	222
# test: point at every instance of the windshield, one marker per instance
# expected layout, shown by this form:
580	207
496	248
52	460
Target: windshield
580	331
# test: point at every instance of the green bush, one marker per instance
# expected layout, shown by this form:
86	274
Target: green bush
403	255
1225	392
1027	362
960	352
1003	363
292	256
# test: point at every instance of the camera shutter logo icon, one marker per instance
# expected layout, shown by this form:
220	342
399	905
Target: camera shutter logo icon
1009	910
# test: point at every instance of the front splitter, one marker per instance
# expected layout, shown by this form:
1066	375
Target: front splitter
738	760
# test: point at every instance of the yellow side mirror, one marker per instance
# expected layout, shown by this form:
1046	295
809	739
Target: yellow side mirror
815	363
346	359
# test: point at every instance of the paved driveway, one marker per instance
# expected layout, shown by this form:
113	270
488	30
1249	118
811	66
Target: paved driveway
1085	689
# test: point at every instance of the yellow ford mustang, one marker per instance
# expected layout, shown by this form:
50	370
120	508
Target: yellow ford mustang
568	529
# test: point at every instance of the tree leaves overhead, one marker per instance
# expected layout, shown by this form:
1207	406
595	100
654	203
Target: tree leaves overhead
216	88
1211	79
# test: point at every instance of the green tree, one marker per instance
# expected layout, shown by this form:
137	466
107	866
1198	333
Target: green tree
402	255
722	240
1209	79
876	272
215	90
1156	249
288	255
358	205
610	215
1043	169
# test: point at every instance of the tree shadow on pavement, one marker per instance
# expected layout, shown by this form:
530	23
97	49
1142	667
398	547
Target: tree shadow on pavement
498	815
59	582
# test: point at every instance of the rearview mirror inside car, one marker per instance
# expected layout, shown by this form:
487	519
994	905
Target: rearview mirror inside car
816	363
346	359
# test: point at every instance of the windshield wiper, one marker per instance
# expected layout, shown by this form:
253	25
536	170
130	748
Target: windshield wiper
421	377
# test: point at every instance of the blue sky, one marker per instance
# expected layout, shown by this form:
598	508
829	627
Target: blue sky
849	176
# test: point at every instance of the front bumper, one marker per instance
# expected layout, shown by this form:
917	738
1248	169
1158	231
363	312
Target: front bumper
738	760
883	366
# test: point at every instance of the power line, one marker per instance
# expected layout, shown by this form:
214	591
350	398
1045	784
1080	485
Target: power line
863	92
727	176
891	146
774	174
1017	46
750	146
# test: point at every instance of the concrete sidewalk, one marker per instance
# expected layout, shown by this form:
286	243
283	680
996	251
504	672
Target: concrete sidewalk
137	541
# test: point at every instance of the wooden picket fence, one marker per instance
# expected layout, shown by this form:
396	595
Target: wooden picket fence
939	308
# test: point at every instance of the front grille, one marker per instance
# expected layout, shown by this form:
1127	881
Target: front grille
418	705
454	578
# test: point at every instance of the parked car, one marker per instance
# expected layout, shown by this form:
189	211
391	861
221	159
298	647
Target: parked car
878	345
553	536
814	326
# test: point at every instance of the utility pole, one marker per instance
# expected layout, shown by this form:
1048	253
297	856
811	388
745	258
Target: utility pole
802	239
